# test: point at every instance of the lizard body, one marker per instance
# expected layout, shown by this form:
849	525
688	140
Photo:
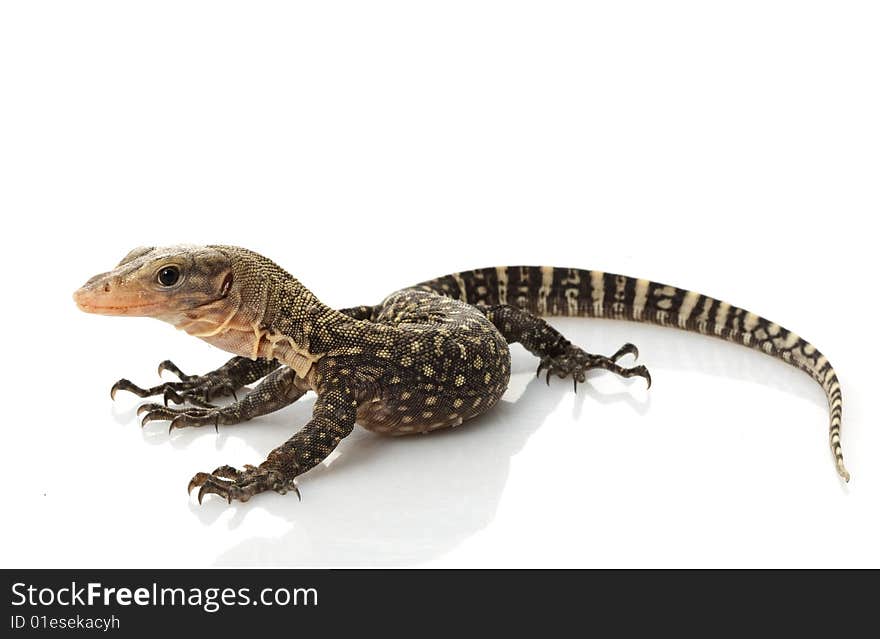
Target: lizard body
427	357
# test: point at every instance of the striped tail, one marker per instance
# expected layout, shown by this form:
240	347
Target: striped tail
555	291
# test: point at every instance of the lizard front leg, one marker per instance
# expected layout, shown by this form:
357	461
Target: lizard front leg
281	388
333	419
201	389
558	355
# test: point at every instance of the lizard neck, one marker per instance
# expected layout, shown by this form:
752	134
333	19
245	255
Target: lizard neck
271	317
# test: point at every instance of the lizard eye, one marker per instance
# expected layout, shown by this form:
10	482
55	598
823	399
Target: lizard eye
168	275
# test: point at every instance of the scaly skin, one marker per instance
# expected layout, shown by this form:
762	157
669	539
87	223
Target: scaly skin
428	357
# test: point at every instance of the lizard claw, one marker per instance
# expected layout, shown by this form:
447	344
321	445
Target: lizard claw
241	485
172	368
626	349
576	362
210	488
175	421
183	417
195	389
124	384
143	408
154	412
197	480
639	371
209	484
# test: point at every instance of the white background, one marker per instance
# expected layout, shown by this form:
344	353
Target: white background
365	146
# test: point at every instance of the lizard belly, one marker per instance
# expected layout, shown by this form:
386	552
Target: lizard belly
393	418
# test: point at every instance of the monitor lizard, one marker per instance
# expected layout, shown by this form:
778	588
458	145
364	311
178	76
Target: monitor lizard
430	356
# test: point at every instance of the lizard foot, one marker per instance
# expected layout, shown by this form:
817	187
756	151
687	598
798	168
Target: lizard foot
183	417
231	483
198	390
575	362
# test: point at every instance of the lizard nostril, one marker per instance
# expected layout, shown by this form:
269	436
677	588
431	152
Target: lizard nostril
106	287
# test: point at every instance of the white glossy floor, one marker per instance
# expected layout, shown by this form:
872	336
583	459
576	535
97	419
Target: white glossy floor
365	150
722	462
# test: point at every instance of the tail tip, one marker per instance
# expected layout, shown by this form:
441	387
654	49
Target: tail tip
842	471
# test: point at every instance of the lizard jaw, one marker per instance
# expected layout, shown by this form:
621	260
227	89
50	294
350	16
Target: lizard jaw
90	301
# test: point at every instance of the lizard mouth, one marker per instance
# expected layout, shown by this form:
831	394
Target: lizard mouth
85	299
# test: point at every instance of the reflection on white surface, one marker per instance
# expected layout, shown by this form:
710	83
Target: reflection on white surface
615	475
405	501
395	501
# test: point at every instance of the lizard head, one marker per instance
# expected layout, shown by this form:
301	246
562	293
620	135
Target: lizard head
159	282
225	295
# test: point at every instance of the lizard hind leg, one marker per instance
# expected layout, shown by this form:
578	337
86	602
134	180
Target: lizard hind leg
558	355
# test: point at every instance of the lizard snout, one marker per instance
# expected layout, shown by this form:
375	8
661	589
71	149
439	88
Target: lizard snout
88	296
105	296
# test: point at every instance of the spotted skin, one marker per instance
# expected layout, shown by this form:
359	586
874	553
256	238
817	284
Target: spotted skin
427	357
450	364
